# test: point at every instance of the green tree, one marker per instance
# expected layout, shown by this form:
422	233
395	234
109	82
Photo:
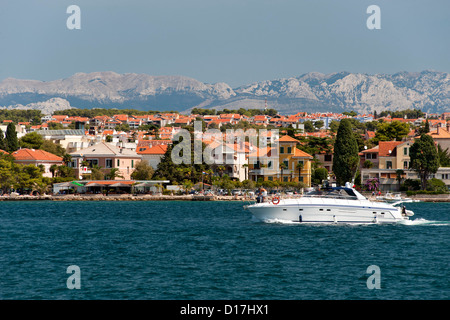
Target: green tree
65	172
114	173
142	171
345	159
367	164
12	142
97	173
424	158
309	126
187	185
425	128
394	130
53	169
319	175
54	148
31	140
334	125
444	157
319	124
7	177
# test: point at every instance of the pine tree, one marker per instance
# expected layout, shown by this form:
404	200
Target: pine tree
12	143
424	158
345	159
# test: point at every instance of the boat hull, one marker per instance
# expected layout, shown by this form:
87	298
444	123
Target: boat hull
328	211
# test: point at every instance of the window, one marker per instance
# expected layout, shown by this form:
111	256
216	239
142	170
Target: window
388	164
132	163
289	149
269	165
286	163
405	151
92	162
285	179
108	163
270	178
328	157
118	163
281	149
405	164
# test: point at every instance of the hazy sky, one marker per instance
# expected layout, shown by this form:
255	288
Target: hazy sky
232	41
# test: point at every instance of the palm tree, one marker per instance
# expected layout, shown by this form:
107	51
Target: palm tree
399	173
283	166
53	169
210	173
187	185
299	167
221	169
96	172
245	166
67	158
114	173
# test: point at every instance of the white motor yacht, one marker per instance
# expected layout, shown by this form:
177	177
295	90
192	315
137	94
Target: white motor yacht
329	205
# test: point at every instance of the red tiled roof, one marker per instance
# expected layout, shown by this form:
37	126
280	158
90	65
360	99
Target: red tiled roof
301	154
35	154
156	150
287	138
385	146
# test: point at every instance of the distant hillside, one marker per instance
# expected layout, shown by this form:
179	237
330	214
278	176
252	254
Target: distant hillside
428	91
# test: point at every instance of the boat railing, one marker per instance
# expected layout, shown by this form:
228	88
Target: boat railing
343	197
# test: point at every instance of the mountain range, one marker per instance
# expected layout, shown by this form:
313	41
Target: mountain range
428	91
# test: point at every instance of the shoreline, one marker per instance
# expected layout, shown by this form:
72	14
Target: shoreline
99	197
130	197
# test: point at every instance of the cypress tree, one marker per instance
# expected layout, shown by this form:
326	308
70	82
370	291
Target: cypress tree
345	159
424	158
12	143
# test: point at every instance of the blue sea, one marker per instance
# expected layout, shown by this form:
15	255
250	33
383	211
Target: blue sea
176	250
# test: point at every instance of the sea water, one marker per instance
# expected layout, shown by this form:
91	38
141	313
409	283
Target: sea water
173	250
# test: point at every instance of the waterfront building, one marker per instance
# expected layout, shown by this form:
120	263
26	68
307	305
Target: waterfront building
107	156
37	157
285	163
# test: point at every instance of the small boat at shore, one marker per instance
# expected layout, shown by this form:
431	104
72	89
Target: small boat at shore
394	198
330	205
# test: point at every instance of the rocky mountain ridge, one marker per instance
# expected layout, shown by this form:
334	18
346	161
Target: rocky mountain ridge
428	91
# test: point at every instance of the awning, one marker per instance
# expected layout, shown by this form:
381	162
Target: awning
77	184
95	185
118	184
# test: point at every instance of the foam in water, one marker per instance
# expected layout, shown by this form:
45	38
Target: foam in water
415	222
421	221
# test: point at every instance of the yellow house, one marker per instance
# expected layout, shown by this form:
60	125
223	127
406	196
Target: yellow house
286	163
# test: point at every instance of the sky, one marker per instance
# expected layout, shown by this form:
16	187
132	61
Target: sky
233	41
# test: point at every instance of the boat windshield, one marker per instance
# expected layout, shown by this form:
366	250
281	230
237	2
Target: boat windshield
337	193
